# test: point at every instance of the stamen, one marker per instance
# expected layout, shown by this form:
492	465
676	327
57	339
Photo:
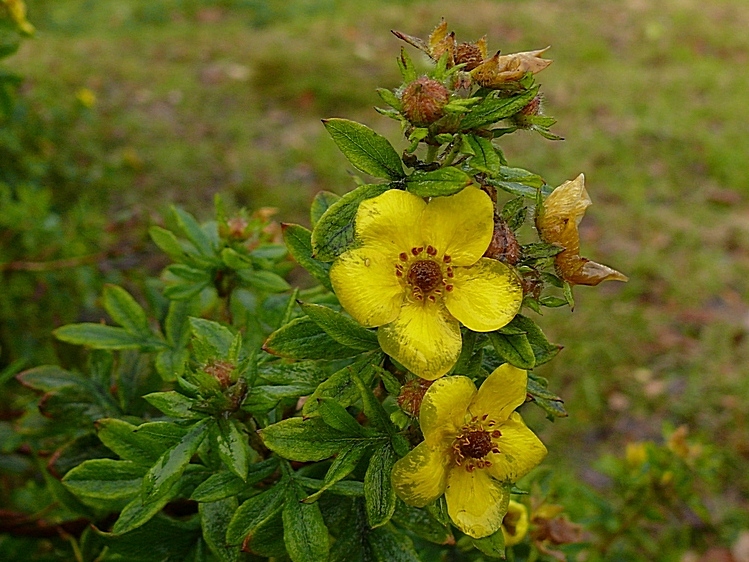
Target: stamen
484	417
448	288
495	450
446	258
398	273
367	262
431	250
432	298
496	434
403	256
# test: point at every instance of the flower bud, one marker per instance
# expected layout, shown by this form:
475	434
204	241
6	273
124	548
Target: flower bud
469	54
424	101
412	394
222	371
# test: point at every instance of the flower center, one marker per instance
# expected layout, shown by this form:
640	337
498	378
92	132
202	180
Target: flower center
474	442
425	274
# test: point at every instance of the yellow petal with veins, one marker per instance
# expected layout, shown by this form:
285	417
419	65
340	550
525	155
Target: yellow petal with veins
501	392
485	296
443	409
519	451
424	338
420	477
386	222
366	285
459	225
476	503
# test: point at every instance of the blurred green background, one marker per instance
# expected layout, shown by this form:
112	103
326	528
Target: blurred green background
128	106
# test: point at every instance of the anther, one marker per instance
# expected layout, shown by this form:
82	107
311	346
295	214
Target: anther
431	250
432	298
496	434
448	288
446	258
484	417
403	256
398	273
367	262
495	450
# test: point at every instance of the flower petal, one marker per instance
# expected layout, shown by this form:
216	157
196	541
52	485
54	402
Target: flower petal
424	338
365	283
388	222
501	392
519	451
485	296
459	225
420	477
444	407
476	503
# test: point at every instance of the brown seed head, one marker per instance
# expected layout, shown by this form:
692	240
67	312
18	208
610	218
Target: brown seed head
424	274
470	54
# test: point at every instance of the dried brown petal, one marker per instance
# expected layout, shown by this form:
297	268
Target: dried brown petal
500	69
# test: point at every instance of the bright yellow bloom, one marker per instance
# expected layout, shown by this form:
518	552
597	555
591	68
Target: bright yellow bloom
557	224
475	445
419	272
515	523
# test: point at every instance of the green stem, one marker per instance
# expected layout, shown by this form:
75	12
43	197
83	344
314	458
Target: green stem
431	153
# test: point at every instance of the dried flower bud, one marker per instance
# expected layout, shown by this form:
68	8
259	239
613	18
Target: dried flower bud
412	394
221	371
499	70
470	54
424	100
235	228
504	246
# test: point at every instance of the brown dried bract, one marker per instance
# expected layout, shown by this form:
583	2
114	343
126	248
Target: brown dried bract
557	224
501	69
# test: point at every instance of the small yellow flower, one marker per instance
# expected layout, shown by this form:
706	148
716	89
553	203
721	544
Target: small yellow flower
419	272
557	224
17	12
86	97
515	523
475	445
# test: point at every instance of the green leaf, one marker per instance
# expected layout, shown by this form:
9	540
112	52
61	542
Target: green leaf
379	494
341	386
388	545
161	539
341	328
263	398
264	281
302	338
135	443
485	158
389	97
367	151
514	349
407	68
539	250
105	479
224	484
543	350
173	404
233	448
304	531
549	402
493	545
321	203
167	242
214	519
212	335
307	440
100	336
421	523
299	242
443	181
47	378
334	232
170	466
254	512
194	233
124	310
492	109
137	513
344	464
374	411
336	416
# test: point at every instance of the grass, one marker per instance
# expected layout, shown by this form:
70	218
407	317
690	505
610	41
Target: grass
197	98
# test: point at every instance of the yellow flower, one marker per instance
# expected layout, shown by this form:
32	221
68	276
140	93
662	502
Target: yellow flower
515	523
475	445
17	12
86	97
419	272
557	224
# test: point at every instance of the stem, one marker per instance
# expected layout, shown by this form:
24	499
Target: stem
431	153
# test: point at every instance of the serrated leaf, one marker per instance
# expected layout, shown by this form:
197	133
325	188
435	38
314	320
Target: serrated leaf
443	181
334	232
299	242
485	158
341	328
492	109
379	494
322	202
515	349
368	151
304	532
307	440
170	466
302	338
214	519
254	512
